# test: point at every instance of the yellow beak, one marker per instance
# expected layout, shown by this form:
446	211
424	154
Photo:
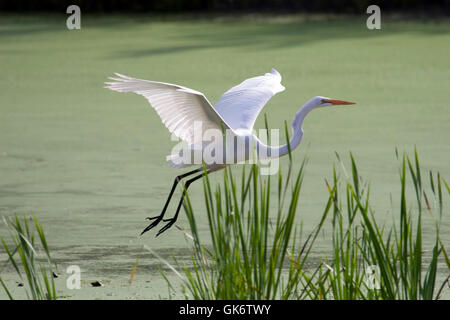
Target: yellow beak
337	102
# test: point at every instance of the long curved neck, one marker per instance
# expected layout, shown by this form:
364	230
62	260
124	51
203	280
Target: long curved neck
265	151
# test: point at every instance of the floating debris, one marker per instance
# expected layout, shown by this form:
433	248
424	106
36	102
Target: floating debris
97	284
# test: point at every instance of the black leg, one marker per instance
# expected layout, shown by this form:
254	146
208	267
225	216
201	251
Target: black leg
160	217
172	220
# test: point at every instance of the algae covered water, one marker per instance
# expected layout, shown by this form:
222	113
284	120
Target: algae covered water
90	163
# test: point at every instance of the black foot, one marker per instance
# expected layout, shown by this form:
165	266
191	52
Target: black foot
167	226
153	224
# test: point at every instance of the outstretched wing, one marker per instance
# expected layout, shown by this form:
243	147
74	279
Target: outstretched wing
240	105
181	109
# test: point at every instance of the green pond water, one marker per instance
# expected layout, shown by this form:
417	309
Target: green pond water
90	163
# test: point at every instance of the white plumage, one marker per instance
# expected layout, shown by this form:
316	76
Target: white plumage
241	105
181	108
177	106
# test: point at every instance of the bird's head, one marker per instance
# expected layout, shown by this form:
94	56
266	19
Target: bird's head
325	102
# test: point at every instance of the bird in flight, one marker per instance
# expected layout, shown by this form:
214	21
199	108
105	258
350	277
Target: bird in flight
181	110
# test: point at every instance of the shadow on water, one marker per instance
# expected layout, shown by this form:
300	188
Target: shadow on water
158	51
272	36
200	32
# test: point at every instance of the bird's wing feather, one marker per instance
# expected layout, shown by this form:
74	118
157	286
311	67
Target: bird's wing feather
178	107
240	105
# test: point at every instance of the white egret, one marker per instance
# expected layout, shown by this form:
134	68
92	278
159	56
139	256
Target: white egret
180	107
